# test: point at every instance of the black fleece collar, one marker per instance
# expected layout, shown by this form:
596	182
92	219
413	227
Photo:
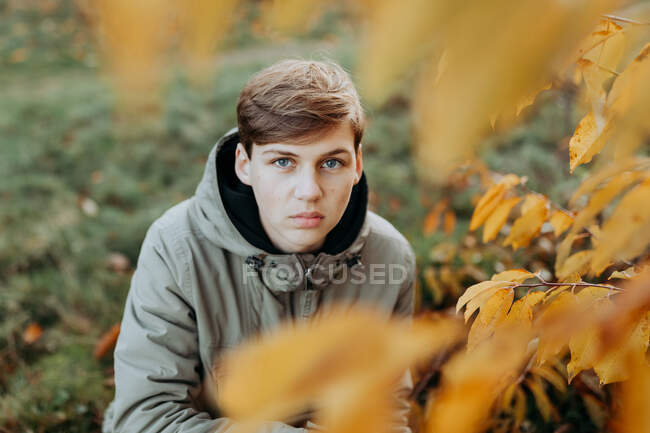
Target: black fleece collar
241	207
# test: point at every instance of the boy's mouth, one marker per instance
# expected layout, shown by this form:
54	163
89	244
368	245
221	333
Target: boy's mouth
307	219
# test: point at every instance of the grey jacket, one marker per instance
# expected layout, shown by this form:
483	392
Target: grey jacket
200	288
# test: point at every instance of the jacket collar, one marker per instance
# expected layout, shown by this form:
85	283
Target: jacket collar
279	272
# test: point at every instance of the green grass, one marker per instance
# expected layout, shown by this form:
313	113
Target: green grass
62	144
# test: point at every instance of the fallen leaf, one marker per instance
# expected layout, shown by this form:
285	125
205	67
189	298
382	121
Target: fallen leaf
32	333
106	342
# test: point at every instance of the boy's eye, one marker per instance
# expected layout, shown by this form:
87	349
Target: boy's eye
282	162
332	163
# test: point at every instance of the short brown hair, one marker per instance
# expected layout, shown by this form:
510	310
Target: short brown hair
293	100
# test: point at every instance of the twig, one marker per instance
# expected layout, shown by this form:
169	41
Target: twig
625	20
611	71
604	286
601	41
523	374
435	366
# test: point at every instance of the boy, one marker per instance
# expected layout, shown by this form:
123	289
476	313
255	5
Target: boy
277	229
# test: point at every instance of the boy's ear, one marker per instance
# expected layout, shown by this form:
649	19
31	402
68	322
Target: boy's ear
359	165
242	164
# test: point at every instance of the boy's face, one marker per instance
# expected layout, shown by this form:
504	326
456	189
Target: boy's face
302	190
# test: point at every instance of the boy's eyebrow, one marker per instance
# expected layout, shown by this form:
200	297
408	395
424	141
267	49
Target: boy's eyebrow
287	153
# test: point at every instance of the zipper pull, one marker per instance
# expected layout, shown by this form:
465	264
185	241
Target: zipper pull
308	282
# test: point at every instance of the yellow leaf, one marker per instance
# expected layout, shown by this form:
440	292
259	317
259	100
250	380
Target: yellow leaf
597	410
520	406
593	44
585	142
498	218
478	302
552	376
491	315
515	275
386	56
529	99
626	233
456	109
612	367
290	16
526	227
560	221
621	97
508	394
577	263
549	345
326	362
491	199
134	39
204	23
601	198
564	250
486	205
594	79
542	401
585	345
625	274
521	313
595	179
628	104
472	381
478	289
634	416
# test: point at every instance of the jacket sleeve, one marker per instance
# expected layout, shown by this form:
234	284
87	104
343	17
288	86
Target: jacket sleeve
156	357
404	307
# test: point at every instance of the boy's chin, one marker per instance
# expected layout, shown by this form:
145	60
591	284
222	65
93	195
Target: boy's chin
303	243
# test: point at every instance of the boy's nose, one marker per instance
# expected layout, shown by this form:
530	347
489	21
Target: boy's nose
307	186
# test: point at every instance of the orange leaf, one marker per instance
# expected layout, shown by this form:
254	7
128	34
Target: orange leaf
32	333
432	220
449	221
106	342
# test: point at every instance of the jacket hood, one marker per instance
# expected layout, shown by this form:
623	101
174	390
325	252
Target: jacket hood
214	220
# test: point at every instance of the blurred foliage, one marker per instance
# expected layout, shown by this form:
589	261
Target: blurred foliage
81	184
